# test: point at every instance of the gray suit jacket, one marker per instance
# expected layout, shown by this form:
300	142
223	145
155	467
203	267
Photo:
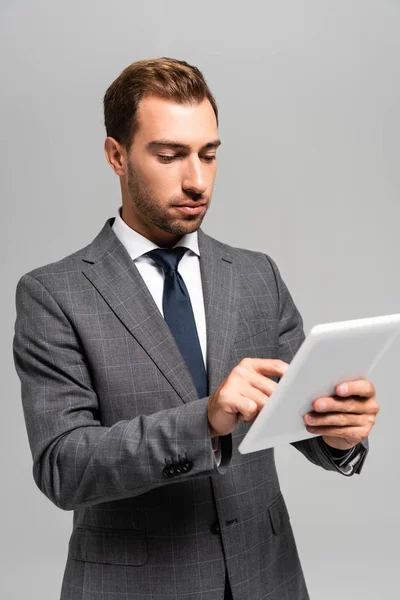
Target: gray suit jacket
119	436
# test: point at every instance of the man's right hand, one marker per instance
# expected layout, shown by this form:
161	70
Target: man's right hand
243	393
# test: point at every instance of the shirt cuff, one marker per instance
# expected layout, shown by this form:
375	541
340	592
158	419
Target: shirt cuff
345	460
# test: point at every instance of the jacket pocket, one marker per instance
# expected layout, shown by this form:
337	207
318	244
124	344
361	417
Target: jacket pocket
278	514
126	547
249	329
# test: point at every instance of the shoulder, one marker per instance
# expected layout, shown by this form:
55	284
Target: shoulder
55	280
69	268
69	263
245	257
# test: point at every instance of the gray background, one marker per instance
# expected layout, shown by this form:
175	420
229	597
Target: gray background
309	95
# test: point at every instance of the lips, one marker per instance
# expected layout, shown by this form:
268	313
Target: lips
191	204
191	209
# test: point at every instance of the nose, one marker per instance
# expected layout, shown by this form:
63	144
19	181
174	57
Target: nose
194	179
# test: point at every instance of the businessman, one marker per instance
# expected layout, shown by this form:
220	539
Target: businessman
145	357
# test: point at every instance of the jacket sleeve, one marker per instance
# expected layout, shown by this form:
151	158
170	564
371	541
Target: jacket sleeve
291	336
77	461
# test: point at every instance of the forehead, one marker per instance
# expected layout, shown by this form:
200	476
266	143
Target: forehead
185	123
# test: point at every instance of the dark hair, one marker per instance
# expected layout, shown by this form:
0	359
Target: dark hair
167	78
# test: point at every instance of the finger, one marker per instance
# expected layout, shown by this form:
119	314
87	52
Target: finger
256	396
351	405
336	420
262	384
254	379
265	366
360	387
247	409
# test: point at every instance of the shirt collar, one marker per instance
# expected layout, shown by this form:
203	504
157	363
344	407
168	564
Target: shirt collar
137	245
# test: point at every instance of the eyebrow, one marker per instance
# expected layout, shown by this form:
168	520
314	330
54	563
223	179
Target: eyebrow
155	144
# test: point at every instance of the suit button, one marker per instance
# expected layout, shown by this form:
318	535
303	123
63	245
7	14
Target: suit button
168	471
186	466
215	528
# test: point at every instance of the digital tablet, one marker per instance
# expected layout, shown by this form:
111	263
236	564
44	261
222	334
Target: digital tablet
332	353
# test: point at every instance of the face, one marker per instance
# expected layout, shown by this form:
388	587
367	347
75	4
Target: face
168	176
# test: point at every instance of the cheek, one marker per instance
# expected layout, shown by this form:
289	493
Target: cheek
211	173
156	178
164	181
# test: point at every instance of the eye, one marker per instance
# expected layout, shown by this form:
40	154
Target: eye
166	157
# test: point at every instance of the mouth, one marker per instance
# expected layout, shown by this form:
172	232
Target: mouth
191	209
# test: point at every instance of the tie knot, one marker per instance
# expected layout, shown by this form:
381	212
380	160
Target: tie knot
167	258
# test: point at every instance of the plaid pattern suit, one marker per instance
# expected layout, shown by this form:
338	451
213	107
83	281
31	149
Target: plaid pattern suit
110	406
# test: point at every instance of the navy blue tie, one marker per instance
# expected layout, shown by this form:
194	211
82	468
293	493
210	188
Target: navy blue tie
178	314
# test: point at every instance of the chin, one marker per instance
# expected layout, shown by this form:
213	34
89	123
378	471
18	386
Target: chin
192	225
184	226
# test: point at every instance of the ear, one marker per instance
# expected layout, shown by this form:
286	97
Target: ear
116	156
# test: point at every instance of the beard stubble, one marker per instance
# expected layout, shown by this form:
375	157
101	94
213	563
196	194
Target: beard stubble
151	211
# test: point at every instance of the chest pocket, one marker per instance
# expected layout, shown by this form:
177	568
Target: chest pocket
250	328
256	337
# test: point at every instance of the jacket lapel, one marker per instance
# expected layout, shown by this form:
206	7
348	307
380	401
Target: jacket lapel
220	290
111	271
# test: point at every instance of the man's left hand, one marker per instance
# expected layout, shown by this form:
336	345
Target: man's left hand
346	419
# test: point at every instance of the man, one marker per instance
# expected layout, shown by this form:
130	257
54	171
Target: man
145	357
